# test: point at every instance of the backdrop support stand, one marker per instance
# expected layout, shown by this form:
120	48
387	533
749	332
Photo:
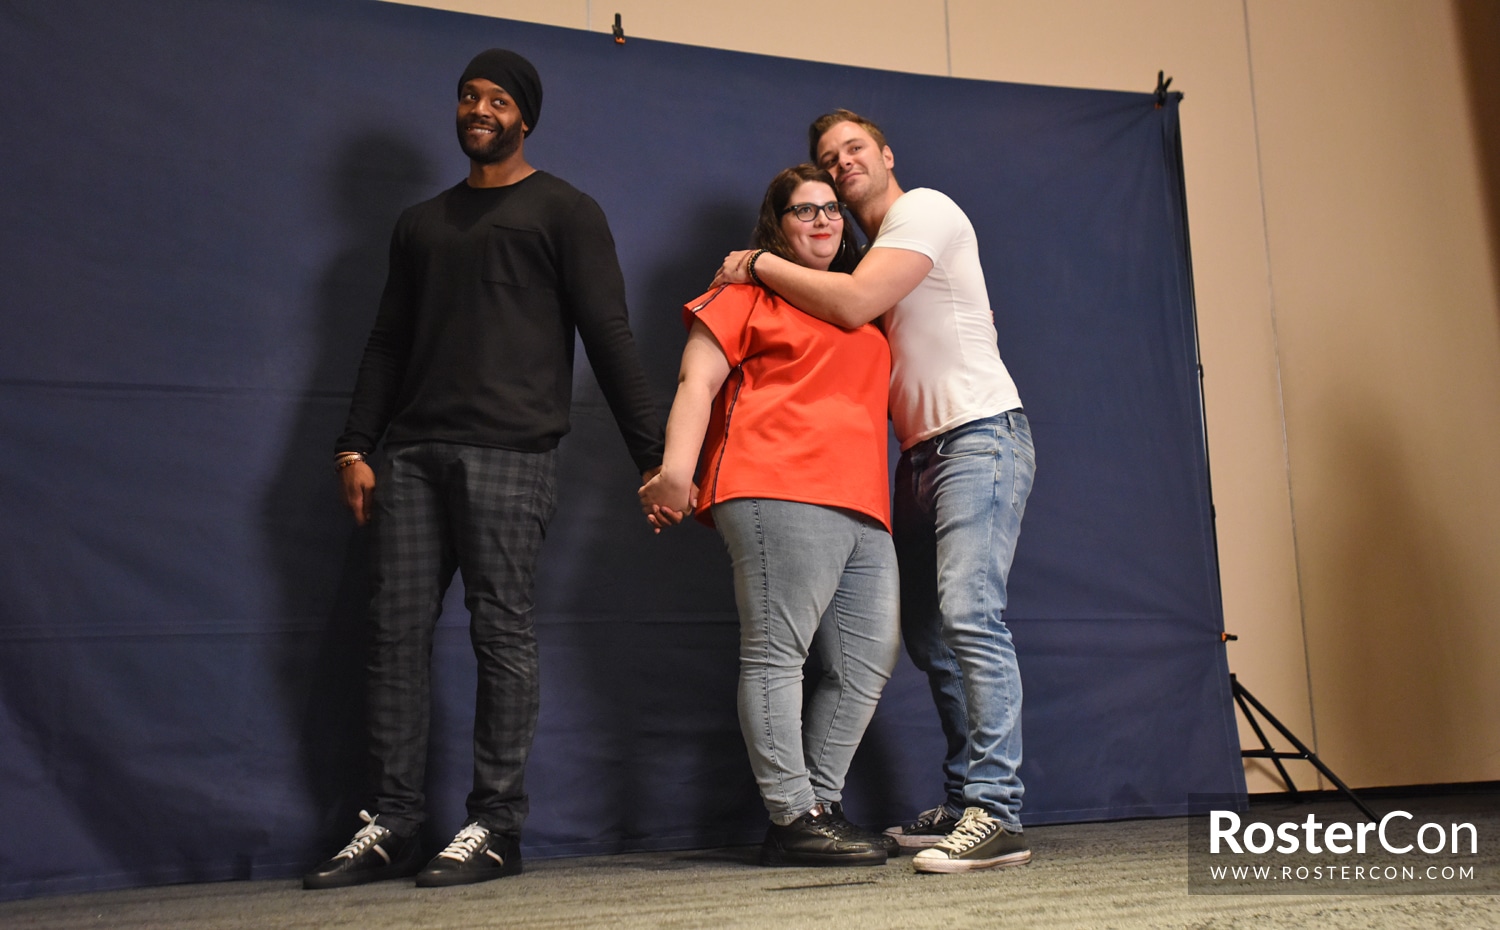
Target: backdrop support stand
1246	701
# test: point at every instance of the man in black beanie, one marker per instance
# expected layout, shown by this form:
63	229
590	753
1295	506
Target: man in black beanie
467	376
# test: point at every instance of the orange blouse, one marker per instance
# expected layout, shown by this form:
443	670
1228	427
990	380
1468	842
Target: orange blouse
802	415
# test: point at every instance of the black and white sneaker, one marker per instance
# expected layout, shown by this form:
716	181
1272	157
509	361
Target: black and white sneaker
375	854
929	829
475	855
978	842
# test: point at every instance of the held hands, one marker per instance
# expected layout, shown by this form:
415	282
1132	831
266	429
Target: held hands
664	503
665	499
735	269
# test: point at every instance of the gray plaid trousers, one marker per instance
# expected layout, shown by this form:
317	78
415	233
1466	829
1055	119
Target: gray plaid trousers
441	507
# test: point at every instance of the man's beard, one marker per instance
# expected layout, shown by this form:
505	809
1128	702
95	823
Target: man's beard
864	186
500	146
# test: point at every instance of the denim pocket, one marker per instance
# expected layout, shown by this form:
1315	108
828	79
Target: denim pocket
970	439
1021	435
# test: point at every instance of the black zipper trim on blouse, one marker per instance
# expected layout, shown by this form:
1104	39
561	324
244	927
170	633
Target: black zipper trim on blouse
728	417
729	411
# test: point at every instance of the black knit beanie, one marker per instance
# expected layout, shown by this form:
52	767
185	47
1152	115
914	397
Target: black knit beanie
515	75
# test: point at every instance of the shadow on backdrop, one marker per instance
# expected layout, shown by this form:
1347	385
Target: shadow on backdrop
318	557
682	731
1394	579
1479	38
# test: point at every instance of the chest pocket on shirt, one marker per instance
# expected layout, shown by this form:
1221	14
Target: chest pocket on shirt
517	258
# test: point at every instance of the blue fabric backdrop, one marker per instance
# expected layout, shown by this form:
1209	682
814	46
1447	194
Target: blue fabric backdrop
197	198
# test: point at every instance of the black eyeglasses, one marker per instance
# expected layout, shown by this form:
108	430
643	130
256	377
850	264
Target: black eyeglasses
807	211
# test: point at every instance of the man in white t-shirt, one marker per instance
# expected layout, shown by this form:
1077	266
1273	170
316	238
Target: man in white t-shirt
966	469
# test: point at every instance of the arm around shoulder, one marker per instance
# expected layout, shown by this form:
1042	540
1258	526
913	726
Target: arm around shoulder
882	278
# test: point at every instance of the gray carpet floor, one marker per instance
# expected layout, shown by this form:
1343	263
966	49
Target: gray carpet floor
1124	874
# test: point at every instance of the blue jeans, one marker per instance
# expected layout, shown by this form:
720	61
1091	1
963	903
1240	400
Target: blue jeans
808	577
958	505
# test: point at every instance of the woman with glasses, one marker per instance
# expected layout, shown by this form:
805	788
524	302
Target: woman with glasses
780	423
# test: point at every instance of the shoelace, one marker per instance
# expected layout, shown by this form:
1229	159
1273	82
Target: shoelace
464	845
836	826
972	829
368	836
841	829
928	818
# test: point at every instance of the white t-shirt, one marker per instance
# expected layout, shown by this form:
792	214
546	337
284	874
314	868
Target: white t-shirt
945	366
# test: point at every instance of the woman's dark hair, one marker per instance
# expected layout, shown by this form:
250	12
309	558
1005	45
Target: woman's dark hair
768	234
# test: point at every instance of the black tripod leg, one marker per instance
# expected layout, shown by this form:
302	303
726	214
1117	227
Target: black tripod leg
1308	754
1267	752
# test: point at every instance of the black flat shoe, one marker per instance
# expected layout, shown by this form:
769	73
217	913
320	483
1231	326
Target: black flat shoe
817	839
888	843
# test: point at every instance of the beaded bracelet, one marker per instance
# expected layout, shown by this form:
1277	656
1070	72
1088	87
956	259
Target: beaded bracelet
750	267
344	459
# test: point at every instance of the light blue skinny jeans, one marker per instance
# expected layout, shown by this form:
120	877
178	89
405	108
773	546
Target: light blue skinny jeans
957	514
808	577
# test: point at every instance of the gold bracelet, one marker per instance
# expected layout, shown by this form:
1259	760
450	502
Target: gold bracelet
344	459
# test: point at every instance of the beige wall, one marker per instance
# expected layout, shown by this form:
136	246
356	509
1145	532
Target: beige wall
1347	298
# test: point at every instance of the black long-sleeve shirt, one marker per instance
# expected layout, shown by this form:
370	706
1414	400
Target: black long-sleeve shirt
473	342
